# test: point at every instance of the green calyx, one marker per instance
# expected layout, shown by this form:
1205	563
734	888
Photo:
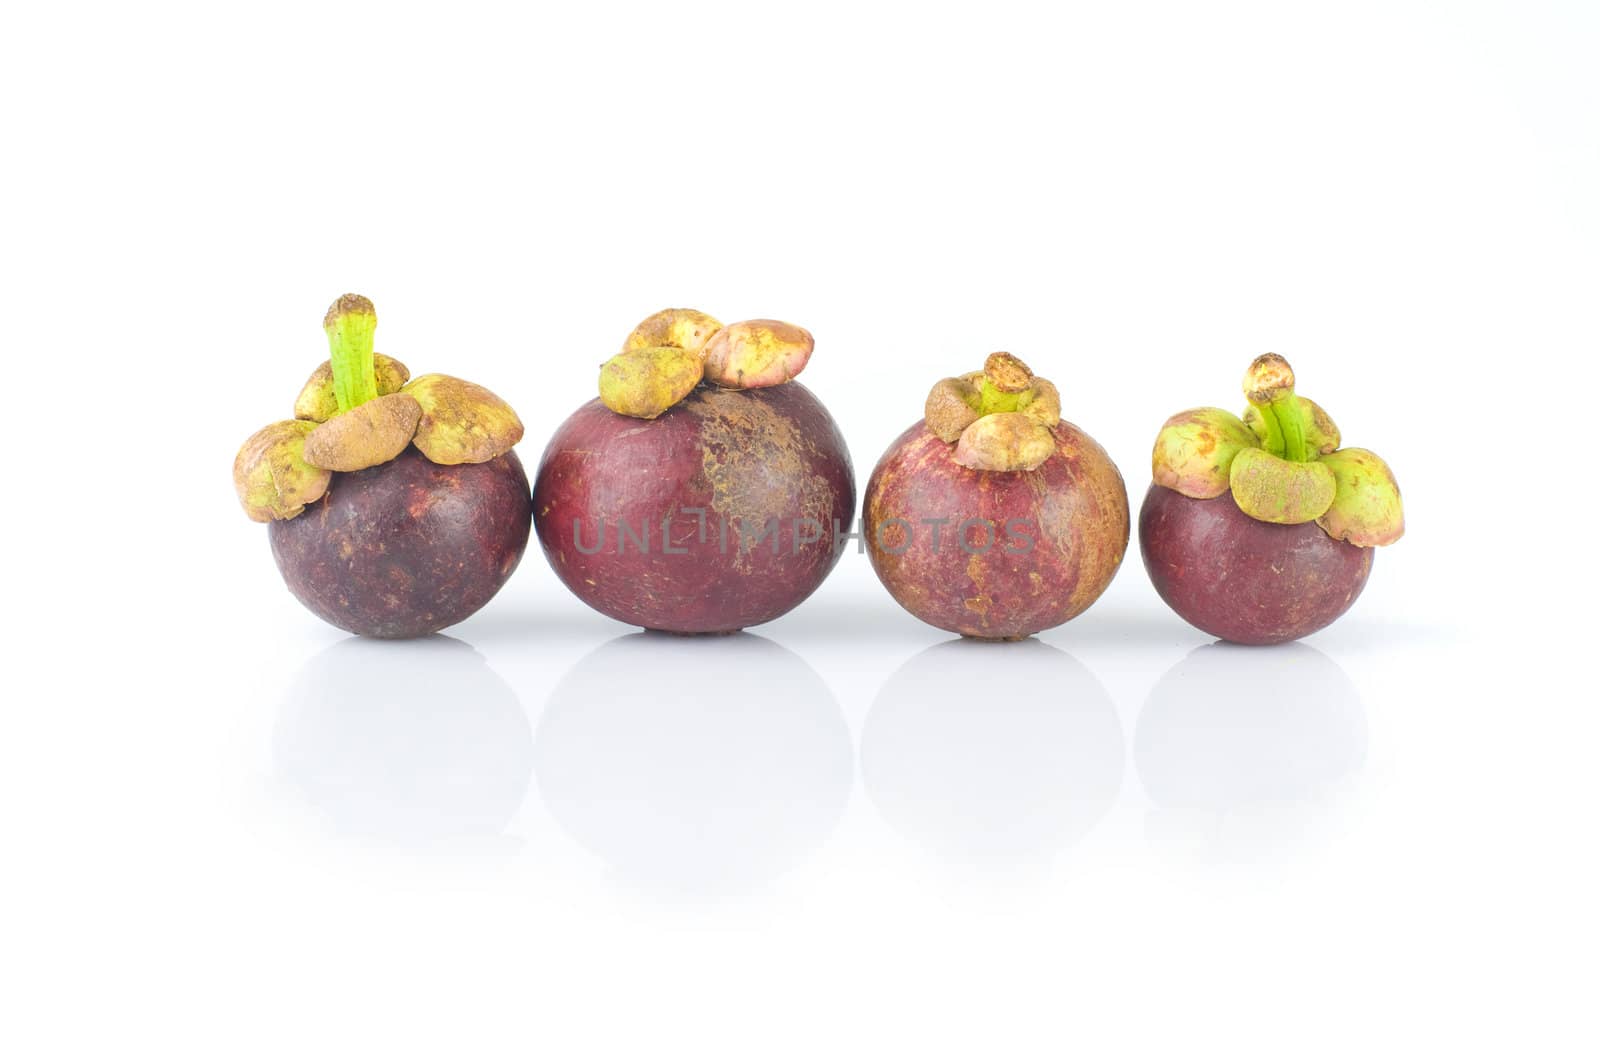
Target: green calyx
1001	418
1283	433
1320	434
1366	506
359	410
1196	448
350	324
1280	491
1281	462
990	399
1269	387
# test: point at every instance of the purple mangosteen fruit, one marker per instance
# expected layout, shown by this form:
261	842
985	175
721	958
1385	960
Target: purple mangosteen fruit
395	506
1260	529
705	490
992	517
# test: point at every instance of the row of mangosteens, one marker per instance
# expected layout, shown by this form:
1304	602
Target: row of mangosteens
705	491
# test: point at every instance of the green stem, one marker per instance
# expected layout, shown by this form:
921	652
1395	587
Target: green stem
1269	388
1284	423
1290	421
1273	443
350	323
992	400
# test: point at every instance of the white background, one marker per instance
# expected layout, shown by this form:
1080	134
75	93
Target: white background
230	834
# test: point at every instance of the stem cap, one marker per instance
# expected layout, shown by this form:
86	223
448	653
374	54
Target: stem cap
317	402
1321	434
1281	462
1366	507
271	476
462	422
1000	418
1005	442
757	354
1279	491
648	381
1195	449
682	328
951	406
1268	377
370	434
1007	372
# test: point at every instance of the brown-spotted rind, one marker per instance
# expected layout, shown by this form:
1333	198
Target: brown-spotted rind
1279	491
1322	435
645	382
1241	579
368	435
408	547
744	458
273	480
757	354
683	328
1366	508
1195	449
316	401
462	423
1055	534
1005	442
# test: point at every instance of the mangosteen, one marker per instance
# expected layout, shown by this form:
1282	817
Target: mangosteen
395	507
992	517
705	490
1261	529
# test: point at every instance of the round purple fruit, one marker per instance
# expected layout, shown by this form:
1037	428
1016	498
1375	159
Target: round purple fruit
396	507
992	517
1260	529
702	492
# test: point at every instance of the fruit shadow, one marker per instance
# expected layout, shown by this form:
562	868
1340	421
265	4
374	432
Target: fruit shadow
995	756
411	741
1245	750
694	765
537	624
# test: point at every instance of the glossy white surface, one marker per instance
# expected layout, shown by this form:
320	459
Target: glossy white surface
232	833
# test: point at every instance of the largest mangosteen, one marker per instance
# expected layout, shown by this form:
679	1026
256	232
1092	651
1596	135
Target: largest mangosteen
992	517
396	507
1260	530
705	490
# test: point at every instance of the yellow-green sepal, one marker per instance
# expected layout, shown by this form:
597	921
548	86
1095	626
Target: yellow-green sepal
1195	449
271	475
317	401
1366	507
462	423
1272	489
646	382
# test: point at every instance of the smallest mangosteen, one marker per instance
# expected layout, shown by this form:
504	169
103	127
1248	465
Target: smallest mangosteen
396	507
1261	529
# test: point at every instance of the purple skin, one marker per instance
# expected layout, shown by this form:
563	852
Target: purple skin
1042	545
408	547
1244	580
744	457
